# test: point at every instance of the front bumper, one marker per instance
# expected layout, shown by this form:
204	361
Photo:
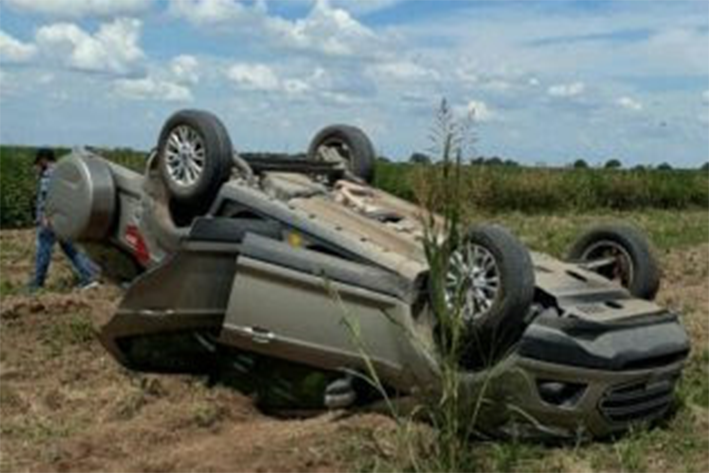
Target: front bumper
567	381
599	403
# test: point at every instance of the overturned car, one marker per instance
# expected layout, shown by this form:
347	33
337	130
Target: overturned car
240	262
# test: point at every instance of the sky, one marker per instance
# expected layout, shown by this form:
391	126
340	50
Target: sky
548	82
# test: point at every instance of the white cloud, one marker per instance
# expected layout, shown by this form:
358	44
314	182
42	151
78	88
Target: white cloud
328	30
13	50
252	76
114	48
80	8
295	86
703	119
629	104
480	111
185	69
168	82
573	89
208	12
45	78
404	70
705	97
359	7
150	88
325	30
337	98
681	47
320	86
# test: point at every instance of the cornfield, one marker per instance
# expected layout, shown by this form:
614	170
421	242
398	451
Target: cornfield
486	188
501	188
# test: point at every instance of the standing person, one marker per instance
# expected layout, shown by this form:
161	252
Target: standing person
44	164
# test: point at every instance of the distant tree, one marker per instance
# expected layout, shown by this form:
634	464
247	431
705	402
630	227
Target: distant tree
639	167
511	163
383	159
419	158
664	167
580	164
479	161
705	167
495	161
613	164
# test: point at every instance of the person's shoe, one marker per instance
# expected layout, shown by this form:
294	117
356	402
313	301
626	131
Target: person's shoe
87	286
30	290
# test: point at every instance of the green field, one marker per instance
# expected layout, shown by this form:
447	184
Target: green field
487	189
513	188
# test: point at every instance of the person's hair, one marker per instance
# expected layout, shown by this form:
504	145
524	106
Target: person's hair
44	153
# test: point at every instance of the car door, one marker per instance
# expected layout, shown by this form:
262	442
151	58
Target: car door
316	309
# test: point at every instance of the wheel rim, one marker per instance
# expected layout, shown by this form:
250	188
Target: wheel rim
185	155
472	282
611	260
334	151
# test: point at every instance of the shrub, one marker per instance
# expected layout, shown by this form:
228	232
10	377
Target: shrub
18	181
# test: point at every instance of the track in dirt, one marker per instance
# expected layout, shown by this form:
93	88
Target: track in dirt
66	405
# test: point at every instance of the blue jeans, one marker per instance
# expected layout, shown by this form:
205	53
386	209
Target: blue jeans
45	246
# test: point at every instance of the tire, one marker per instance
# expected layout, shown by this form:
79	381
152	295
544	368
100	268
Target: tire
353	144
488	334
635	268
210	167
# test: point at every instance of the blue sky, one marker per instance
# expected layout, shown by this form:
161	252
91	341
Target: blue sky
549	81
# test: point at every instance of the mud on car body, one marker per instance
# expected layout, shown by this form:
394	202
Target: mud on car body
246	261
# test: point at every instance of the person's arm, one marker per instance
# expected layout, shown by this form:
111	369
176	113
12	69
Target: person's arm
42	190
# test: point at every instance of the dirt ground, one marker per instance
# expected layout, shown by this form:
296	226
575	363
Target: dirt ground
66	405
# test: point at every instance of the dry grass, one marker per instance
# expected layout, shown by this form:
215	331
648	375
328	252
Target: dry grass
65	405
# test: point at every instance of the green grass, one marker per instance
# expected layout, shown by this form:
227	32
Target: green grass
9	288
36	429
694	386
76	329
679	443
554	233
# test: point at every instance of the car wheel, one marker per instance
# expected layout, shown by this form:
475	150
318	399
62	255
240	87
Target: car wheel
347	146
622	254
489	285
194	156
